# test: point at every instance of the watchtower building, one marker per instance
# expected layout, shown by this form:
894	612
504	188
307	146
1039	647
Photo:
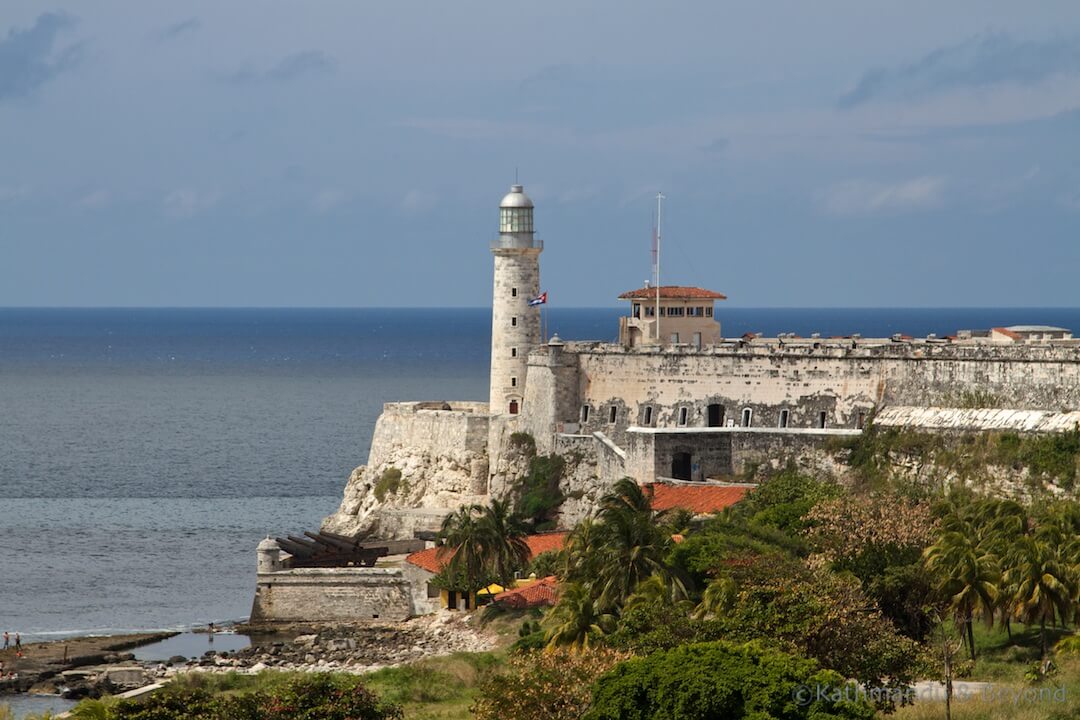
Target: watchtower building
515	324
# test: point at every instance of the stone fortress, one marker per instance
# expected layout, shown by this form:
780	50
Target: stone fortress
672	402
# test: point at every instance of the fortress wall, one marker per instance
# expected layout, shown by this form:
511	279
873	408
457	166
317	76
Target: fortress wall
434	431
842	382
329	594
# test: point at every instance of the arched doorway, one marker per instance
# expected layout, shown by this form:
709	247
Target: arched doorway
680	465
716	415
513	407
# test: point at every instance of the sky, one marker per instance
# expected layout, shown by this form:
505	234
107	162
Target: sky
353	153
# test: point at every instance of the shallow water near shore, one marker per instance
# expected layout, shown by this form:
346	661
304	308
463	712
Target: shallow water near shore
23	705
191	645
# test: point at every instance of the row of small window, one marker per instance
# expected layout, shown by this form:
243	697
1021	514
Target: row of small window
515	220
680	311
715	417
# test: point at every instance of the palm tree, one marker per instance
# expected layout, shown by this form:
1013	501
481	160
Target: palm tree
577	619
720	595
1044	585
464	537
580	552
967	576
505	549
632	545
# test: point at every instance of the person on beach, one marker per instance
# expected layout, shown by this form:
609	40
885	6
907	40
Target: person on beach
7	640
18	645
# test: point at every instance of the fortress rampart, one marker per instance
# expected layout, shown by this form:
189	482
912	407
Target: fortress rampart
583	388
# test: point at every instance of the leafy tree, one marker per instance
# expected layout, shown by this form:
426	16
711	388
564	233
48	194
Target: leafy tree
553	685
723	680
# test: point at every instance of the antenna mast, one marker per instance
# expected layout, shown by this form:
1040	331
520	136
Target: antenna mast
656	262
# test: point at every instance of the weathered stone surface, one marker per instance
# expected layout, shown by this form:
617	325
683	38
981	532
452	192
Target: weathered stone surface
442	457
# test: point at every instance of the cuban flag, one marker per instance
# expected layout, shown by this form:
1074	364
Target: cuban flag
540	299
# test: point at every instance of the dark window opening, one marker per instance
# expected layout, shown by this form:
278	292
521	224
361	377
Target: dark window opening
613	414
861	421
822	418
647	422
784	416
637	310
513	382
584	413
716	415
680	466
747	417
513	407
513	321
513	352
683	414
513	292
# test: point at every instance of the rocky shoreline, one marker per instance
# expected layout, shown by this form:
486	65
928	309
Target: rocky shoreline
339	647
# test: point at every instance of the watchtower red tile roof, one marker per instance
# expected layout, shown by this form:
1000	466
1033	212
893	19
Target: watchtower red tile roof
674	292
540	593
697	499
429	559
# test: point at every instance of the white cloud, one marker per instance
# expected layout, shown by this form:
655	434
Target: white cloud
94	200
869	197
186	203
13	193
328	199
418	201
1070	199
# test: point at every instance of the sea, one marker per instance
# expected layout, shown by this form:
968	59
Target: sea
145	452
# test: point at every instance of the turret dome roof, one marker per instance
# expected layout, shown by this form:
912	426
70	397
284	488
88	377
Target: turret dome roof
516	198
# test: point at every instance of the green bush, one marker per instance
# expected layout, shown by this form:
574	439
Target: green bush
722	680
388	484
523	442
543	685
539	496
315	696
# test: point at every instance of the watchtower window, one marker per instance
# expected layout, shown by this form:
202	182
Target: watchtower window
513	321
513	382
784	415
822	419
684	413
613	414
861	421
747	417
647	418
513	352
584	413
513	292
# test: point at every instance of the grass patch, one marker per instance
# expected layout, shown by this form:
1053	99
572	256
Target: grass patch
440	688
388	484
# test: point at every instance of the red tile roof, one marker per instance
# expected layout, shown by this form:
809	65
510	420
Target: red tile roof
1008	333
698	499
675	292
541	542
542	592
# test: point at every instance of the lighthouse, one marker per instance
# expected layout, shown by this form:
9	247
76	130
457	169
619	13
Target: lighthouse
515	324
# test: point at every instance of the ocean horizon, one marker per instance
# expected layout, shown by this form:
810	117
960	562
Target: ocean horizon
144	452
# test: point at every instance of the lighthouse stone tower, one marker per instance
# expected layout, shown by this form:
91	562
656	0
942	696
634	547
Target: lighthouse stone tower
515	326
